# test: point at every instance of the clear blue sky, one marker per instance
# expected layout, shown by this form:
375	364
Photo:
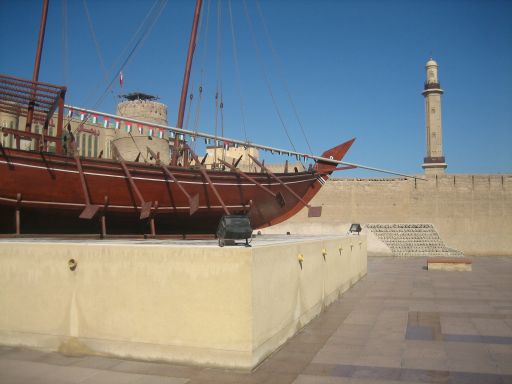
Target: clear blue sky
354	69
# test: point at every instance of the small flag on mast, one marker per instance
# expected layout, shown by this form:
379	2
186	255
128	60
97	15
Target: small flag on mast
121	79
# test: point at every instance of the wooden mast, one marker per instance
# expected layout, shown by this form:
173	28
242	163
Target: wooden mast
37	62
186	78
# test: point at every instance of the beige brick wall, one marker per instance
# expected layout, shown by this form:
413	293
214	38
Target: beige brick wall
472	213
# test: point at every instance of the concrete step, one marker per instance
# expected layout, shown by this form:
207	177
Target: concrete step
416	239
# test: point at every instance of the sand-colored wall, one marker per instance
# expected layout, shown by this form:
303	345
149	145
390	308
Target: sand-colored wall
228	306
472	213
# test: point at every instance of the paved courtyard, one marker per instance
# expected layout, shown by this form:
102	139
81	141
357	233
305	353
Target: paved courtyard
400	324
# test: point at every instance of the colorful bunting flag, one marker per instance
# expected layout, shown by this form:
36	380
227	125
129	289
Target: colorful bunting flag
150	132
118	124
128	128
161	134
82	116
105	122
94	119
141	129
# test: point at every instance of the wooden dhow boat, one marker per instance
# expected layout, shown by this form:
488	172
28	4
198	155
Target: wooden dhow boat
60	192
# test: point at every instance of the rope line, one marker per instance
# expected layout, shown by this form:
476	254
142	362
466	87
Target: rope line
265	76
237	69
139	41
280	73
96	44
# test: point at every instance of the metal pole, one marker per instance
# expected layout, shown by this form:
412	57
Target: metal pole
37	62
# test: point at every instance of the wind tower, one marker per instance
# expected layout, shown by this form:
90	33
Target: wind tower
434	163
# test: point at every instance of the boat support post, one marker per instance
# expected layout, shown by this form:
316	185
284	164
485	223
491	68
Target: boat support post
312	211
104	219
145	205
17	214
278	196
90	210
152	220
205	175
193	201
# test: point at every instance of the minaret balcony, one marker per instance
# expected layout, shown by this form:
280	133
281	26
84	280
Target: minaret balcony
431	85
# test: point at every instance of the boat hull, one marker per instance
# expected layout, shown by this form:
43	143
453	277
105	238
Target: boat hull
48	193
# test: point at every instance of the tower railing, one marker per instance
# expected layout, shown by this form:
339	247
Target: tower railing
429	85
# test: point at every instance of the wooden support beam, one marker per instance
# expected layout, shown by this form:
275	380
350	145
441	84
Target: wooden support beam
60	118
193	201
104	219
313	211
17	214
145	205
90	210
152	220
278	196
205	175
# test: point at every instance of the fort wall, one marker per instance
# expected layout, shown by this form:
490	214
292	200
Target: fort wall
472	213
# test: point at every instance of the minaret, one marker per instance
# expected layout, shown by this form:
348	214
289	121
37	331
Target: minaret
434	162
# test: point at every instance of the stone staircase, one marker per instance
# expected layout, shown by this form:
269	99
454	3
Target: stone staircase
412	240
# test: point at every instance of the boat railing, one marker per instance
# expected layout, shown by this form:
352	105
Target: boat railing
36	101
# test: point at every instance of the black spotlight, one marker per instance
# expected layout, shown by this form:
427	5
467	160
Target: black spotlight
355	229
234	227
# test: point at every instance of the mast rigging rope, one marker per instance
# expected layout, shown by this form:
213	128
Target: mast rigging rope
96	44
237	68
145	28
280	73
265	76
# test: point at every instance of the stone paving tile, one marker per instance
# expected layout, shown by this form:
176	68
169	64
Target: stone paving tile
425	363
419	349
5	349
457	325
97	362
109	377
70	375
25	372
55	358
307	379
24	354
492	327
339	354
150	368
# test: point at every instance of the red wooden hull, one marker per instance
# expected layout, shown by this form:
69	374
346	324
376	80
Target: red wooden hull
52	197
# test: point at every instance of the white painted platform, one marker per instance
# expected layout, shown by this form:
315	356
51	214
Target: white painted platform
180	301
